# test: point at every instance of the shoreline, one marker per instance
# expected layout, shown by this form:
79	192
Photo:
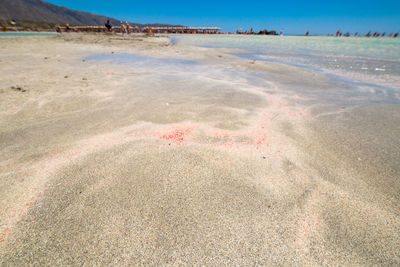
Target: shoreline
155	163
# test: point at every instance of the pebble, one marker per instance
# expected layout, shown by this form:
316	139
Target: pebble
18	88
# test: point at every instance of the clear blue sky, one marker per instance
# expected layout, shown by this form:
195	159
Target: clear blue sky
291	16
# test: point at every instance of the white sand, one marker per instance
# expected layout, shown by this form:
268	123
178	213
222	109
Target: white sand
112	164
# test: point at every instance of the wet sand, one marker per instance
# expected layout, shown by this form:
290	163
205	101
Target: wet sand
117	164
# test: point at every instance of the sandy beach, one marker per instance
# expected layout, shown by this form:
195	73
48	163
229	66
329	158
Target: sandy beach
111	163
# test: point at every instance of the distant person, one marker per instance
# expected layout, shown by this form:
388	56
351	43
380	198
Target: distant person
396	34
123	28
128	28
307	33
108	26
337	33
368	34
67	27
58	28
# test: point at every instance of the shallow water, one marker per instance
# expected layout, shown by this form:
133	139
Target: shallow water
16	34
341	90
371	59
140	61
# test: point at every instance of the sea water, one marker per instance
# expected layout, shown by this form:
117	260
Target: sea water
359	70
25	34
368	59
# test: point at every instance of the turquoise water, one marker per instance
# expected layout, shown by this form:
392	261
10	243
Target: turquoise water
370	59
2	34
357	71
374	48
168	73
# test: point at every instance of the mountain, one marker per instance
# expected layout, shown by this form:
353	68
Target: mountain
41	11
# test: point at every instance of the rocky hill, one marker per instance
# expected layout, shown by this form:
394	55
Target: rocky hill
37	10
